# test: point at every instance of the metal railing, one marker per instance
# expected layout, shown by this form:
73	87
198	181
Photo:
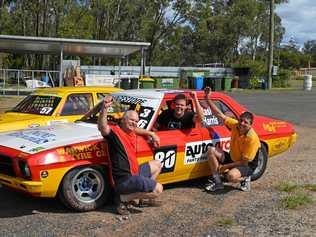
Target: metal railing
16	82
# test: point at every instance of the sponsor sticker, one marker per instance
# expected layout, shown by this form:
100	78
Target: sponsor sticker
35	136
36	149
82	152
129	99
167	156
195	152
273	126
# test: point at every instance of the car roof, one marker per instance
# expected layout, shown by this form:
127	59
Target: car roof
161	93
78	89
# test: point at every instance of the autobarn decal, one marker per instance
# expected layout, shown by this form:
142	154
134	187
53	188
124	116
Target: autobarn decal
195	152
167	155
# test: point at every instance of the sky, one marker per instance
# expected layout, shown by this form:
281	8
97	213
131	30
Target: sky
299	19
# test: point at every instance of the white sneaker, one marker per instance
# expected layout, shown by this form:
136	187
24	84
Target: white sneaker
245	184
212	187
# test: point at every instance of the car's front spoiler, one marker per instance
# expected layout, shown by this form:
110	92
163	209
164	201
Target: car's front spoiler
34	188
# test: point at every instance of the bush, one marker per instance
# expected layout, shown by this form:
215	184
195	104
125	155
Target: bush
282	80
254	83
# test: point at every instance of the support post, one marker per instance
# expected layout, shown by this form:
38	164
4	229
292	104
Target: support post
271	43
61	81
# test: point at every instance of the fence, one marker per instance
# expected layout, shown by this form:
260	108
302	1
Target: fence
14	81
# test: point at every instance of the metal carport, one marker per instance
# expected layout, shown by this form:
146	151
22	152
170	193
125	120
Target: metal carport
78	47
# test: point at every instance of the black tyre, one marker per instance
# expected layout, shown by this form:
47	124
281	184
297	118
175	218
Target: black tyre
84	189
262	160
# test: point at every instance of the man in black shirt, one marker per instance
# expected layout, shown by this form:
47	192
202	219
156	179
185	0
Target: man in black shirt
131	180
179	117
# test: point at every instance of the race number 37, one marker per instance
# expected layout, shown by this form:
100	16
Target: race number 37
167	157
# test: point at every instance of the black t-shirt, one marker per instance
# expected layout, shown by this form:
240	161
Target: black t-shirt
119	159
167	120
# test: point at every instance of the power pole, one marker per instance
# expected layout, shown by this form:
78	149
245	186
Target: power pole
271	43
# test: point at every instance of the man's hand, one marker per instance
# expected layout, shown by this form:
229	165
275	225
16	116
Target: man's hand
193	95
102	119
207	91
155	140
107	102
222	169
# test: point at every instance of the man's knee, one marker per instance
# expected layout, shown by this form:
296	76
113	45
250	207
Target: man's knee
210	152
155	166
233	177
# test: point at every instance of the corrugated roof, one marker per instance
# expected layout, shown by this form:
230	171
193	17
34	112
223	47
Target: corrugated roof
44	45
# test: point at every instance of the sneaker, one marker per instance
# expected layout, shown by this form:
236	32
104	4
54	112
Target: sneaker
212	187
245	184
211	180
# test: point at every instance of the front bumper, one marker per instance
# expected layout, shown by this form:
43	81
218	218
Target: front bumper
33	188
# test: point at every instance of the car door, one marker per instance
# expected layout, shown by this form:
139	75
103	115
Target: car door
75	106
172	151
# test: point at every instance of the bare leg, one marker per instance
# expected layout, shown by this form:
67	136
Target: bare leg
214	156
155	168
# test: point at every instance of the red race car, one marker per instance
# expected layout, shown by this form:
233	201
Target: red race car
71	160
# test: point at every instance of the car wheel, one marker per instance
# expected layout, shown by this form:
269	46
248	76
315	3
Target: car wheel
84	189
262	157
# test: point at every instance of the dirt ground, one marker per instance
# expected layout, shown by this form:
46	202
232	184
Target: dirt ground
187	209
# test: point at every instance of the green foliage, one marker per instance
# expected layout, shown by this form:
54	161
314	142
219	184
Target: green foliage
297	195
296	200
287	187
311	187
254	83
282	79
310	50
227	221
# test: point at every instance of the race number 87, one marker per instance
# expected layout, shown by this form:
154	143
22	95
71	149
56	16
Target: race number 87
167	157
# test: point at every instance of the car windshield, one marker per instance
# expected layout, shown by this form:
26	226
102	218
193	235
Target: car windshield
144	107
37	104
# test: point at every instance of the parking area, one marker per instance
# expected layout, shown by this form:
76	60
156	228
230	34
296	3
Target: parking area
187	209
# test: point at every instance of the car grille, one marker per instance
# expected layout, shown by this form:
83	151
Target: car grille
6	166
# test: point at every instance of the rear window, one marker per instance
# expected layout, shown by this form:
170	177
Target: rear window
37	104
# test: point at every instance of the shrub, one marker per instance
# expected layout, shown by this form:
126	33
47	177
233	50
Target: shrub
282	80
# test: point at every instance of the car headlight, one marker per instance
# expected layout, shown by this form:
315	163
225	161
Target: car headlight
24	168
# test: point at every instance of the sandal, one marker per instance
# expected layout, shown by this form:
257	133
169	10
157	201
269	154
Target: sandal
122	209
149	203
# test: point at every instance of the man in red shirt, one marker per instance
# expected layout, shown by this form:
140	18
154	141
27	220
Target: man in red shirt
131	180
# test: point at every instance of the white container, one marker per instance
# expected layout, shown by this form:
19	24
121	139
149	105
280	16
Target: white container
308	83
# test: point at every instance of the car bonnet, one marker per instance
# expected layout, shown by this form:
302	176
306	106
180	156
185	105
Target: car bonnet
48	137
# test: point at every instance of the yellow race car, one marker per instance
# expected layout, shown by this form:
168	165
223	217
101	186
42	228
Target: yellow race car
47	106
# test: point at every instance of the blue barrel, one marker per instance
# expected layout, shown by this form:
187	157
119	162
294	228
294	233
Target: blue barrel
198	82
45	79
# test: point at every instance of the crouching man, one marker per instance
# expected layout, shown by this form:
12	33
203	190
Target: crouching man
244	145
131	180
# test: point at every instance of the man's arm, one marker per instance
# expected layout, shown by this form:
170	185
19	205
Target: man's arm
103	126
213	107
152	135
199	109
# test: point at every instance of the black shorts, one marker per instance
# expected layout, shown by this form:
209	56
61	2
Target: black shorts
141	183
244	170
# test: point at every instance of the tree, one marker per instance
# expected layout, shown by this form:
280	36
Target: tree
310	50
